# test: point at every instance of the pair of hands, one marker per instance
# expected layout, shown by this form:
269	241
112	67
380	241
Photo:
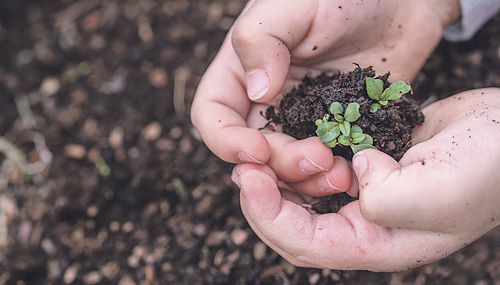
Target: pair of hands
439	197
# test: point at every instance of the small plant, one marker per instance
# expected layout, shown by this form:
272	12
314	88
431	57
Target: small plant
339	130
375	89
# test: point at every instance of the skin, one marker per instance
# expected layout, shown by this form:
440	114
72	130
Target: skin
277	173
305	37
401	220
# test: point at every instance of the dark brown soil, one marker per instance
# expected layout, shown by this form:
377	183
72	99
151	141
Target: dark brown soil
167	213
390	127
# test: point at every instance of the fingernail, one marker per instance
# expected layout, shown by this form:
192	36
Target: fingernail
257	84
325	185
246	157
310	167
237	182
353	193
359	163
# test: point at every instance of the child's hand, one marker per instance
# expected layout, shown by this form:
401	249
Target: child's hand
449	181
442	195
275	43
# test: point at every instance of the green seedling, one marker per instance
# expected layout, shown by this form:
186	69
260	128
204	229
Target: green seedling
356	140
375	89
339	130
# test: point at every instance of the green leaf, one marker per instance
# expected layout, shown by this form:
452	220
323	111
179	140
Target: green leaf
318	122
328	137
395	91
356	129
338	118
383	102
368	140
331	125
335	130
325	127
352	112
357	137
321	130
398	88
344	140
331	144
374	88
375	107
360	147
336	108
345	128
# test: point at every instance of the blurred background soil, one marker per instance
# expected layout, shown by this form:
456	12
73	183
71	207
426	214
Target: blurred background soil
104	180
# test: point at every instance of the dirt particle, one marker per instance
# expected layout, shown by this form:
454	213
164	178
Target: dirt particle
315	48
158	77
384	59
340	7
239	236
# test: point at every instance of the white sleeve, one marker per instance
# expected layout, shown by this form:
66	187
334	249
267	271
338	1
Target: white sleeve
474	14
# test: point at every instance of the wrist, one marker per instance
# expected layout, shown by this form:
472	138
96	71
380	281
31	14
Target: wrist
448	11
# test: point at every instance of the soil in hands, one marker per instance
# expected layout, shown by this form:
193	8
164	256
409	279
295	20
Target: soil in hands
390	127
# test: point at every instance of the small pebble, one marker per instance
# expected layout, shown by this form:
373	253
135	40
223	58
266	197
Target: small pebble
314	278
115	138
50	86
48	246
71	273
259	251
75	151
92	277
158	77
239	236
152	131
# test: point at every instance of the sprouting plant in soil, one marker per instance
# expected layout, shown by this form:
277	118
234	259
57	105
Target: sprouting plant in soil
339	131
375	90
348	123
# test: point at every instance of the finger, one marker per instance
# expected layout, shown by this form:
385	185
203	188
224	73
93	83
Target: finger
295	160
219	111
340	241
245	167
337	179
443	176
262	38
426	194
286	192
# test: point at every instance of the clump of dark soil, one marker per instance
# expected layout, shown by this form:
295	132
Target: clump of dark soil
390	127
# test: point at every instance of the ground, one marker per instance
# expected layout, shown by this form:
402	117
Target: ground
104	180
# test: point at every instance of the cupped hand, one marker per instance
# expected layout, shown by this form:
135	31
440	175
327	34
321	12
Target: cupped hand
448	182
441	196
273	44
344	240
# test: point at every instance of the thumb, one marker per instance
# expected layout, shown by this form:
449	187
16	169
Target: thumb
411	195
373	168
262	38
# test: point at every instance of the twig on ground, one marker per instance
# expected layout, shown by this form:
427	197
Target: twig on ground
180	78
73	12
